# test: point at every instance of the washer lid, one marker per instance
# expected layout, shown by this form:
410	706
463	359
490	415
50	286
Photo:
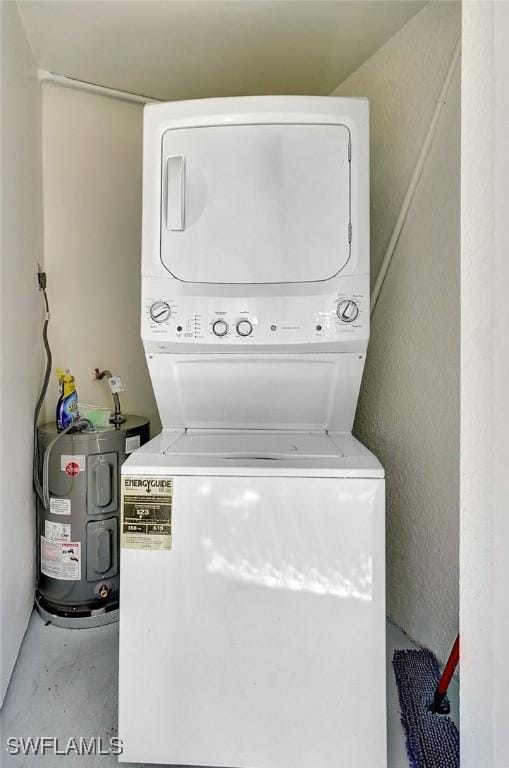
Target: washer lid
251	204
269	454
267	445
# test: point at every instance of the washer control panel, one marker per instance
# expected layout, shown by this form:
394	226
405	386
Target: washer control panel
266	320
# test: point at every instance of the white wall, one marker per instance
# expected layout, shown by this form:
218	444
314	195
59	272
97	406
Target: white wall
20	329
408	411
92	162
484	560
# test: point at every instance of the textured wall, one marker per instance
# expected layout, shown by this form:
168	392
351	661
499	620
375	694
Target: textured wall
20	330
484	561
408	411
92	161
402	80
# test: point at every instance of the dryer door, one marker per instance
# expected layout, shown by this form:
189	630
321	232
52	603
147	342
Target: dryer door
255	203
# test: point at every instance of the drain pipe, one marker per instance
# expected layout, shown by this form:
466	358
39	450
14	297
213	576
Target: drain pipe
409	196
100	90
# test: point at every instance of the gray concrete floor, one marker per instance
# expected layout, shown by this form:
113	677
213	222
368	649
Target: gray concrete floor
65	684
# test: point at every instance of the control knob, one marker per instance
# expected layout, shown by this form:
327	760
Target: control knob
347	311
244	328
220	328
160	311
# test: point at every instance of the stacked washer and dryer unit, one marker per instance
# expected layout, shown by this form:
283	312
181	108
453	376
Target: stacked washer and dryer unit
252	619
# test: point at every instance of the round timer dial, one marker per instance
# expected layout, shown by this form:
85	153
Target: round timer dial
160	311
244	328
347	311
220	328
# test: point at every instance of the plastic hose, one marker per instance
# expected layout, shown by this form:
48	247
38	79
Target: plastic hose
47	453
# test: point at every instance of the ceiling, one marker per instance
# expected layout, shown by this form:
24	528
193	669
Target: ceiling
190	49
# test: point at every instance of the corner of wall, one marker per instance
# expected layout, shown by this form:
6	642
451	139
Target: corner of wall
21	318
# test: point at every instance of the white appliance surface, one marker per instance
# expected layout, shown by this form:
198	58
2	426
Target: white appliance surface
249	391
252	611
256	190
258	452
292	187
256	241
258	639
251	444
302	322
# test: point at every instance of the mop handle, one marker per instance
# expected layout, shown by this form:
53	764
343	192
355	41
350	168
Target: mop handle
440	705
452	663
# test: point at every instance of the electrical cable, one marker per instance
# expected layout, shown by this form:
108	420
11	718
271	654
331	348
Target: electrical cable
41	473
45	498
44	388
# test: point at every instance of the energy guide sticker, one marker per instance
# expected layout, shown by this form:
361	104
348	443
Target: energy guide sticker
146	512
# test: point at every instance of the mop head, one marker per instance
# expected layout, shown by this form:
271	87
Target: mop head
432	741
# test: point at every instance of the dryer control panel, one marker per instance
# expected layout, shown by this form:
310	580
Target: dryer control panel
252	321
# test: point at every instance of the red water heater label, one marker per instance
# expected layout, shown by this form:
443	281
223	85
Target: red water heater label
73	465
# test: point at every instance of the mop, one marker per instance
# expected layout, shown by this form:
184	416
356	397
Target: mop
432	740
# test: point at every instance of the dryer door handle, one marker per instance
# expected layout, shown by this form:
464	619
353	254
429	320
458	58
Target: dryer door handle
175	192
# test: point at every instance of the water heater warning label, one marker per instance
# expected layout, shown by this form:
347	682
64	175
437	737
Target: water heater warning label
61	560
146	512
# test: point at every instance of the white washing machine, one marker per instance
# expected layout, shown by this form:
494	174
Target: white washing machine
252	614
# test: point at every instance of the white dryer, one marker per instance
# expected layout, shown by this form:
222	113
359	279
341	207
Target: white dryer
252	615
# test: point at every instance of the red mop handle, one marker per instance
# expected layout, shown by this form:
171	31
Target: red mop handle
452	663
440	705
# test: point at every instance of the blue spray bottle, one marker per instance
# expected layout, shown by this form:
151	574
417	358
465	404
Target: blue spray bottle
67	405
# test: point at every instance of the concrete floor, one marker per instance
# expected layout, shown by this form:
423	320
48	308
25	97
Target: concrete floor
65	684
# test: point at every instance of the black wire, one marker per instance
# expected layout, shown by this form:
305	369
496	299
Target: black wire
40	401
